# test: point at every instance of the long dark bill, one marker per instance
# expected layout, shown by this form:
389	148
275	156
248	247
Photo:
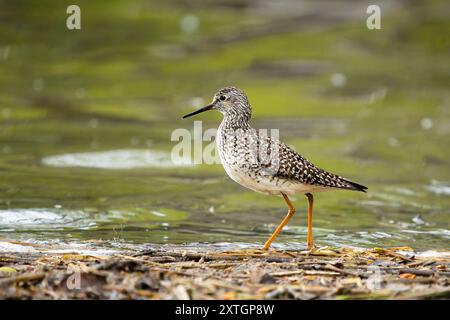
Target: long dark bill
208	107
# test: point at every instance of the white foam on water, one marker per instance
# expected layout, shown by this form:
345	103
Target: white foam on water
116	159
12	247
57	248
444	233
109	248
81	248
158	214
439	188
26	216
433	254
43	218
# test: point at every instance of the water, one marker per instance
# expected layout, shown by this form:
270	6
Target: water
86	119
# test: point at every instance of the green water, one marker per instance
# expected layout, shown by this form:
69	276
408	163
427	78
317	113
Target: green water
373	106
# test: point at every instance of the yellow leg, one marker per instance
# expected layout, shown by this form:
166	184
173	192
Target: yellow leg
310	212
285	221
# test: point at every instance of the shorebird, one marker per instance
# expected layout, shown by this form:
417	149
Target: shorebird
264	164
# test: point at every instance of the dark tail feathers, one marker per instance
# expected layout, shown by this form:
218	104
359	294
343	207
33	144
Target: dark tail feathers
355	186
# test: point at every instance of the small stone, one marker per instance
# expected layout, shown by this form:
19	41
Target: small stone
267	279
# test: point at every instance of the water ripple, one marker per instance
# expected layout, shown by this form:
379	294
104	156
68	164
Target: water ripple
439	188
43	218
116	159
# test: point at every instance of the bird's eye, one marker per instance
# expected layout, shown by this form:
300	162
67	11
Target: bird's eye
222	98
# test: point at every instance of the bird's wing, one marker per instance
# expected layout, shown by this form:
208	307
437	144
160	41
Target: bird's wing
293	166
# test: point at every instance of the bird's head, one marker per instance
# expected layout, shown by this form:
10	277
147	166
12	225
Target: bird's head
230	101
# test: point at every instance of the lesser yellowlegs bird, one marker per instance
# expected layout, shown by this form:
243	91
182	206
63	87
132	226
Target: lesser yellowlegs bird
262	163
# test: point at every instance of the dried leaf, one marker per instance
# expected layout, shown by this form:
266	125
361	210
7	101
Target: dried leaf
7	270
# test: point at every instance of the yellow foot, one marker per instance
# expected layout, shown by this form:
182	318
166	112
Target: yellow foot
266	249
266	246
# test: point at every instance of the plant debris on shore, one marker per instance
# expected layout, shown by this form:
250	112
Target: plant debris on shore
179	273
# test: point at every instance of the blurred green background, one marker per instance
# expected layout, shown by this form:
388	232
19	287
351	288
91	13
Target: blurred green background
86	118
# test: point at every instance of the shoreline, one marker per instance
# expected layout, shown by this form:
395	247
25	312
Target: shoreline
176	272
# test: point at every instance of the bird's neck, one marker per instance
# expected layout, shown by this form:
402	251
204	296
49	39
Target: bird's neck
234	121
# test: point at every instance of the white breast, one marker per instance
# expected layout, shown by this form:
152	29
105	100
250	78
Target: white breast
265	184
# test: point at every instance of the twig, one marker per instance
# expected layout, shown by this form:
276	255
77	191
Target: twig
23	278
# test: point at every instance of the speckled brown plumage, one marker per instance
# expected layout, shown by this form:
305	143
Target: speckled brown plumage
294	166
257	156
